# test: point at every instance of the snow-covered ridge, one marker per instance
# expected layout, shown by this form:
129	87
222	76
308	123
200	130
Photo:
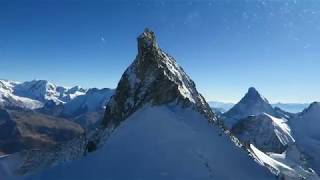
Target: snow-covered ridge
43	91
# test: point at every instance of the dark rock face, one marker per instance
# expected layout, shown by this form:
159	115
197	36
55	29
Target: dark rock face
259	131
153	78
10	138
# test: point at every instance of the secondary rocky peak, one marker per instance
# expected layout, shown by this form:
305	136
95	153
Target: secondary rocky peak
253	94
253	103
147	41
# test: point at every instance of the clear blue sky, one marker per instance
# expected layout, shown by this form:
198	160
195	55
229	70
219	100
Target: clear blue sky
225	46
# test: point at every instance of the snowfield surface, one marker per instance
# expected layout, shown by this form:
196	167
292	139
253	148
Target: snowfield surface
306	129
165	142
282	130
287	163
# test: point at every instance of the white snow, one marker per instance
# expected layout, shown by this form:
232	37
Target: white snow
306	130
34	94
164	142
282	130
288	164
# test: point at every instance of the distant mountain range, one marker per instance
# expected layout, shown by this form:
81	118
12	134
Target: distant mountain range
39	114
289	107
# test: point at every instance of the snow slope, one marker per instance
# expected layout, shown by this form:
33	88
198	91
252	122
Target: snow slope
288	164
163	142
306	128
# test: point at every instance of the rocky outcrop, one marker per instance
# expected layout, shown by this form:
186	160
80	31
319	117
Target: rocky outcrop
153	78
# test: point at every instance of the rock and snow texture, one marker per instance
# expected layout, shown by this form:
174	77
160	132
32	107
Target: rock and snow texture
153	78
306	129
251	104
267	133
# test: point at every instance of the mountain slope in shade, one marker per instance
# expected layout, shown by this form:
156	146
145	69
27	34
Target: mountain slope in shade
157	126
251	104
306	131
23	130
267	133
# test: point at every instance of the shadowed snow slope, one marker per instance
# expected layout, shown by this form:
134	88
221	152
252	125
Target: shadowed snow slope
306	129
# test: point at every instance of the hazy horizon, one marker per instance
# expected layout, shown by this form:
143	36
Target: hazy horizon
225	46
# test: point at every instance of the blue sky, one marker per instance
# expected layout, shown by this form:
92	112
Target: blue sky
225	46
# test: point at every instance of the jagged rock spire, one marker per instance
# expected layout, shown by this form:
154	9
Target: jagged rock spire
153	78
146	41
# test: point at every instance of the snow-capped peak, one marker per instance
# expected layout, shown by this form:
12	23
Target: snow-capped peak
34	94
153	78
253	103
43	91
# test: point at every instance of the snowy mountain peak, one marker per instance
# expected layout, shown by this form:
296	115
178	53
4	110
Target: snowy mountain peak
153	78
253	103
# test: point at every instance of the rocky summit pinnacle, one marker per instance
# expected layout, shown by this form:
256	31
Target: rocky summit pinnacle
146	41
154	78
